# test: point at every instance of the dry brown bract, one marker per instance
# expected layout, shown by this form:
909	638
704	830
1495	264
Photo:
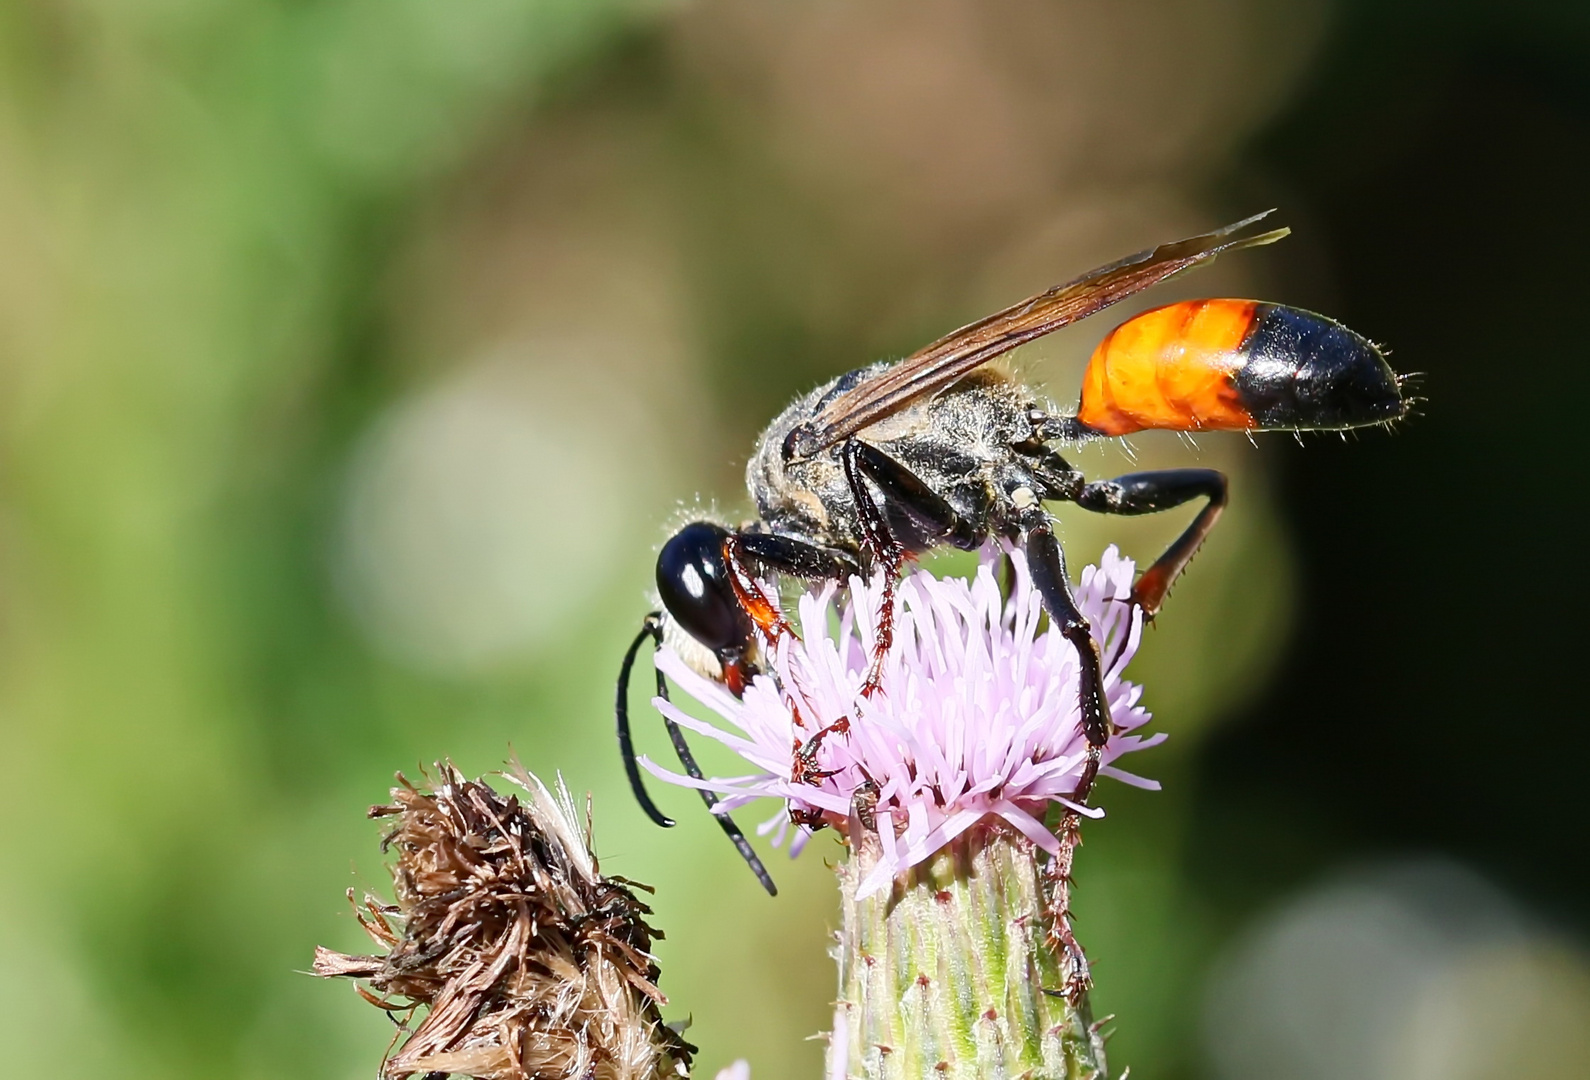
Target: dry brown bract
528	962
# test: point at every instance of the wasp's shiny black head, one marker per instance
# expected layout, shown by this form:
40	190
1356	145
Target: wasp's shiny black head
693	581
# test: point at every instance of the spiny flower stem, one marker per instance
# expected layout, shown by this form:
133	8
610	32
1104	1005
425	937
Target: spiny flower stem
951	973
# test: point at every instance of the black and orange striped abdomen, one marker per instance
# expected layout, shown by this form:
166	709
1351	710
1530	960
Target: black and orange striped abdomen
1235	365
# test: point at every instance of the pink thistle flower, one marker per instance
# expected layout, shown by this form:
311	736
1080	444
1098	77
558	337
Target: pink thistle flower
976	716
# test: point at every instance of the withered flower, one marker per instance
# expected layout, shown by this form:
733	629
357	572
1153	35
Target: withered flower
523	959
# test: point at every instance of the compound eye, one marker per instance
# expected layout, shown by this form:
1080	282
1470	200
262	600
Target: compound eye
693	580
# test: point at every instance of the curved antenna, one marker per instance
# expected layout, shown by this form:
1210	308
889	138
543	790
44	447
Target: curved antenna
652	628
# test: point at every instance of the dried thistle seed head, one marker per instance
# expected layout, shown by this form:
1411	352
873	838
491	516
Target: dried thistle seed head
524	961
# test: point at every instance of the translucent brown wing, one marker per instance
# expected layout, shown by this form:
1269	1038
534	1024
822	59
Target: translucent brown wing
936	366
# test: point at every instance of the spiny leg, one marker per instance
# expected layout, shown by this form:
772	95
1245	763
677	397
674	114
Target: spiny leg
1062	939
652	628
1149	493
929	514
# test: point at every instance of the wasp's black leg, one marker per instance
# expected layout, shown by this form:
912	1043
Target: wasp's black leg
652	628
1048	565
1148	493
793	557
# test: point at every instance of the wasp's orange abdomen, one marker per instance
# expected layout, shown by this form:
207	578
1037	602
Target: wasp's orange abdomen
1235	365
1170	368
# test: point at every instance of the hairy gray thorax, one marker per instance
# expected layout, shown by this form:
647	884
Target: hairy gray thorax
958	442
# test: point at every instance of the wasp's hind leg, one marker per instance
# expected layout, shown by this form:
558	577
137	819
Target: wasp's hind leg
910	499
1151	492
652	628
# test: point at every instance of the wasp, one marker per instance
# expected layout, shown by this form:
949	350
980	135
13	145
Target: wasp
892	460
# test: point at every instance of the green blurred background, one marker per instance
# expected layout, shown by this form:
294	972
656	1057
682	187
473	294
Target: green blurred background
357	354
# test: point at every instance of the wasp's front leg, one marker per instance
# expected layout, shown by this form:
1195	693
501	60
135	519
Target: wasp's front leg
910	497
746	553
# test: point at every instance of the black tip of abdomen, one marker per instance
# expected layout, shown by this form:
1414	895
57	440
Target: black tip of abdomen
1304	371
